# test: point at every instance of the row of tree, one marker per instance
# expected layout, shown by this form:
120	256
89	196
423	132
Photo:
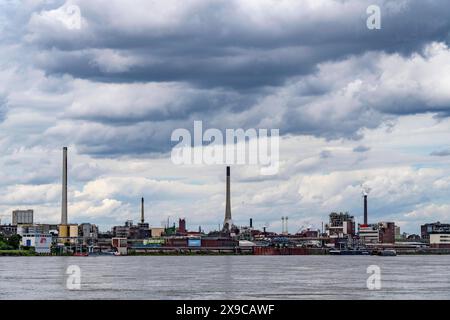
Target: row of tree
10	243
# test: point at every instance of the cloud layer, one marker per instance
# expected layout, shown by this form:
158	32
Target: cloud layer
347	101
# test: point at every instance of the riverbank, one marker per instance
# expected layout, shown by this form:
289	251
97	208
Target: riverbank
15	253
256	252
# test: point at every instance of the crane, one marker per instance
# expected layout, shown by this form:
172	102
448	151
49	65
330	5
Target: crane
304	226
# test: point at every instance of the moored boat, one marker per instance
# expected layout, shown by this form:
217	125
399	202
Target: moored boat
349	252
387	252
81	254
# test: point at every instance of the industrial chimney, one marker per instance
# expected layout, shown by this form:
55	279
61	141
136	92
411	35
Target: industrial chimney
365	209
284	225
227	223
286	228
251	223
142	210
64	189
365	192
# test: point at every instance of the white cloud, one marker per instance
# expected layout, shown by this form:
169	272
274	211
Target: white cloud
430	213
115	89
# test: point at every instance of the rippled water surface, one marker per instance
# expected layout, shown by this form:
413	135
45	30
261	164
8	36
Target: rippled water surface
225	277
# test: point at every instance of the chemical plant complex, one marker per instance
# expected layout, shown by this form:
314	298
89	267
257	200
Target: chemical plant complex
339	236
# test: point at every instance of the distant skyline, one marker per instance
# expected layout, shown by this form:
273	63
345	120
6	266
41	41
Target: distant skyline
353	106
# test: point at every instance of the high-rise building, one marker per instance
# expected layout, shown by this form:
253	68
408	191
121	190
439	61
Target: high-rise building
22	217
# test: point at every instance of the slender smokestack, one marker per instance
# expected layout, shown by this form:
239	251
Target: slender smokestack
64	189
251	223
227	222
142	210
286	221
365	209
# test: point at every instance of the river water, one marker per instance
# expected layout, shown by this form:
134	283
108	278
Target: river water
225	277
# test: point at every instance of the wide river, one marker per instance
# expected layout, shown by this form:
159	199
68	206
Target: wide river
224	277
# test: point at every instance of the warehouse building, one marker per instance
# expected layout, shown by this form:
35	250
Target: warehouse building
41	242
440	240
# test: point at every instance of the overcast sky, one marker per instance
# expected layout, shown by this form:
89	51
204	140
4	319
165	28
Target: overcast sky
354	106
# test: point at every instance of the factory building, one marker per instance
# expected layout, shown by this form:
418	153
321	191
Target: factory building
386	232
368	233
438	234
208	242
437	228
88	233
122	231
439	240
308	233
131	231
22	217
341	225
382	232
156	232
37	228
68	233
120	244
211	242
8	230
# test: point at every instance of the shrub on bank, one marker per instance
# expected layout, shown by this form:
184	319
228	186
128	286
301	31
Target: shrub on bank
16	253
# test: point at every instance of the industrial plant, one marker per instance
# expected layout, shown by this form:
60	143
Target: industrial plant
340	235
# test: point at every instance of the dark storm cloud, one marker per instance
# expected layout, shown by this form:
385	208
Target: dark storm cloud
244	71
227	44
123	105
136	71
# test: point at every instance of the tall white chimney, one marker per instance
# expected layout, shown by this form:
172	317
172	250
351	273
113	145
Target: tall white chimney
64	189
